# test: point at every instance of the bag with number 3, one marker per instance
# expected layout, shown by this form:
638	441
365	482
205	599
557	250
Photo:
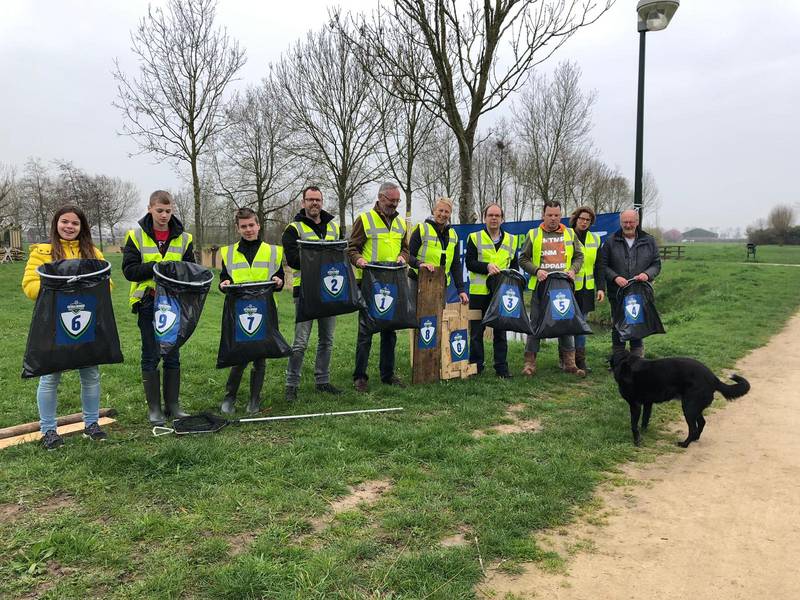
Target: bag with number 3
73	322
506	310
327	285
181	289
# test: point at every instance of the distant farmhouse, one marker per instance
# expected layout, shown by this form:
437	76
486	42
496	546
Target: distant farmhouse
699	235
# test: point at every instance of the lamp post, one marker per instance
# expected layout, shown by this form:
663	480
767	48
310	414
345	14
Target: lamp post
654	15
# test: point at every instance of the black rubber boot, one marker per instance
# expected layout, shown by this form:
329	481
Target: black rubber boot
231	388
172	392
256	382
152	392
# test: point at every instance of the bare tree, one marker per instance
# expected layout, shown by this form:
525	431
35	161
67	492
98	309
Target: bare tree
9	208
328	100
253	164
36	196
175	105
467	76
436	173
780	220
651	198
119	200
553	121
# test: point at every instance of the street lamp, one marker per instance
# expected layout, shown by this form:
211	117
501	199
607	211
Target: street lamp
654	15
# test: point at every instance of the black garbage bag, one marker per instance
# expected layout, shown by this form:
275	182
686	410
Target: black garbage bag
634	313
73	322
554	310
250	325
506	310
391	298
181	289
328	285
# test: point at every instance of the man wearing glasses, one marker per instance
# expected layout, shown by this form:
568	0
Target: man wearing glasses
378	235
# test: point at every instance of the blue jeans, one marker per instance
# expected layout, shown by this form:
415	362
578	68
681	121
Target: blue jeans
363	347
580	341
151	351
565	342
47	397
322	367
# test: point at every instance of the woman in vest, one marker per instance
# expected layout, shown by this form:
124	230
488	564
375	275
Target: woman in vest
70	237
589	280
159	237
249	260
489	251
435	244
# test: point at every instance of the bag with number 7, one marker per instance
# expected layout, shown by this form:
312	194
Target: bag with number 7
250	325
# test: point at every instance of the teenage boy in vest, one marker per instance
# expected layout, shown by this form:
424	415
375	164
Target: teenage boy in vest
435	244
247	261
551	247
489	251
159	237
310	224
378	235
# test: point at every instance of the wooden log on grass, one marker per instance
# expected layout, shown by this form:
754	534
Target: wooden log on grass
33	426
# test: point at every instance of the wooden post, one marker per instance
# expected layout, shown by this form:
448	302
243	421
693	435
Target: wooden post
427	337
455	351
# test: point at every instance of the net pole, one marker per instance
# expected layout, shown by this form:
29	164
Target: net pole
322	414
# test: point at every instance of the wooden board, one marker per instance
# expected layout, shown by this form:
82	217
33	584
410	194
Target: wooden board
33	426
64	430
455	322
431	288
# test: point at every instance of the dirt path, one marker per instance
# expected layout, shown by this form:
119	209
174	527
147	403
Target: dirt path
719	521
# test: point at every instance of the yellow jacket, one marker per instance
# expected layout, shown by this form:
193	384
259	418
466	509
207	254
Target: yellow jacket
41	254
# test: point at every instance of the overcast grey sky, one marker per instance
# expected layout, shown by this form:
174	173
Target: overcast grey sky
721	102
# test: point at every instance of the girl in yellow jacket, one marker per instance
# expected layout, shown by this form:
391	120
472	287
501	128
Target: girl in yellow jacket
70	237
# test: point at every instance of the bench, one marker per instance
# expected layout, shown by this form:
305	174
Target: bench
751	251
671	251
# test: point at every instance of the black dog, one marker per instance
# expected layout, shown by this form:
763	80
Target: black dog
644	382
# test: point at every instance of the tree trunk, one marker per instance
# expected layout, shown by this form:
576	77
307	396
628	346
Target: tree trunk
466	213
342	197
198	217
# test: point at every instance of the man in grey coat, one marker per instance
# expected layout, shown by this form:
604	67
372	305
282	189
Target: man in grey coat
628	254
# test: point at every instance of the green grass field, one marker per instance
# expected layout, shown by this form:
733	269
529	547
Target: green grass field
237	514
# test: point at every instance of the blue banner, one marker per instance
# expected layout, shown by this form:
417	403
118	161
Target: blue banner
605	224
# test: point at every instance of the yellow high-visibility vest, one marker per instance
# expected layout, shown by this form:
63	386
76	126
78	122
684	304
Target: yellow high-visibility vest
586	274
487	253
383	243
148	248
305	233
430	251
266	263
536	237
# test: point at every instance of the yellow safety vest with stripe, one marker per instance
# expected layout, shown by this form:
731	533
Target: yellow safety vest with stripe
586	274
305	233
383	243
148	248
266	263
430	250
487	253
536	237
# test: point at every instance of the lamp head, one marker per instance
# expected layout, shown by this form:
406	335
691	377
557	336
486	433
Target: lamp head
655	15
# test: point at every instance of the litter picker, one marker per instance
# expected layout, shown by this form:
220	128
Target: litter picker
210	423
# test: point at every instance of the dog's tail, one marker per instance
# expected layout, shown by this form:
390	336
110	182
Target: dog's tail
734	390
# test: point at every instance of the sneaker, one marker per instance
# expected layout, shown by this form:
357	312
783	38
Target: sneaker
291	394
94	433
361	385
395	381
51	440
328	389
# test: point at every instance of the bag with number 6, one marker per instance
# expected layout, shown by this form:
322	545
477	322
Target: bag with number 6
73	322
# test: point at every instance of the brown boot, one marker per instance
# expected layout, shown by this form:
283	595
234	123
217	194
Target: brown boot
580	359
530	364
569	364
